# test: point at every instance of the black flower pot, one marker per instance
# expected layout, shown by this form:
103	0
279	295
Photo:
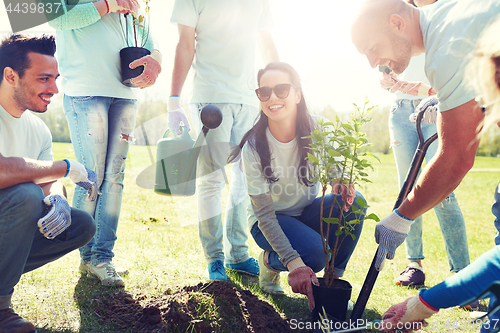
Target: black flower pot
334	299
127	55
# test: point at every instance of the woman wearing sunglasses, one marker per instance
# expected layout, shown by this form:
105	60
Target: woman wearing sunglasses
284	219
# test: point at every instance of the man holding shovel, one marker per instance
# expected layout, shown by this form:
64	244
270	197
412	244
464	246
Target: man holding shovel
389	33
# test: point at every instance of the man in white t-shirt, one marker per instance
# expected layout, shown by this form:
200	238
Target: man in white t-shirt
389	33
37	225
220	36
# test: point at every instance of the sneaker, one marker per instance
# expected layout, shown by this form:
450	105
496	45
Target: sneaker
412	276
106	272
249	267
85	269
472	306
11	322
350	305
269	280
216	271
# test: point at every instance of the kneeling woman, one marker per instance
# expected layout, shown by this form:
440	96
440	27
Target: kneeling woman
285	214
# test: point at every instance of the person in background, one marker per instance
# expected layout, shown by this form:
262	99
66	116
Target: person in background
409	89
37	225
474	280
285	205
218	39
101	113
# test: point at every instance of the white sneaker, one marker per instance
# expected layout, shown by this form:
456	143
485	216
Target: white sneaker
106	272
85	269
269	280
350	305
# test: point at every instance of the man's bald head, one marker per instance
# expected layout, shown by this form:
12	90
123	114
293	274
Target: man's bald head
380	31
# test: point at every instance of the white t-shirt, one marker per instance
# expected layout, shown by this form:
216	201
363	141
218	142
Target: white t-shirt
415	72
450	31
226	36
26	136
289	196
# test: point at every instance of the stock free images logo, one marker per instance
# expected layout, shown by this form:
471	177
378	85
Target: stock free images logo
26	14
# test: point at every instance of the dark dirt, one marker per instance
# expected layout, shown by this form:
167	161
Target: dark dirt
207	307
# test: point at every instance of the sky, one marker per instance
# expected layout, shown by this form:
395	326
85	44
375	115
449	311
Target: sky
313	36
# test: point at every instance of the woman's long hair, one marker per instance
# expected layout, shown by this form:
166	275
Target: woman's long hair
257	139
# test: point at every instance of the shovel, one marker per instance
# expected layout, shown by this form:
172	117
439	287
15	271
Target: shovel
416	163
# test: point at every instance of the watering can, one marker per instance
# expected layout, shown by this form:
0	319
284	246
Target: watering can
176	156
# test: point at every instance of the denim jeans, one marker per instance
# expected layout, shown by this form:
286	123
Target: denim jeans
495	209
101	129
404	142
22	247
211	179
303	232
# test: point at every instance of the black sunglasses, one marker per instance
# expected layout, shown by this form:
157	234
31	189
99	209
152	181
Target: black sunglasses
281	91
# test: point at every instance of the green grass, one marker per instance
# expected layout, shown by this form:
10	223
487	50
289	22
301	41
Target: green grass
158	242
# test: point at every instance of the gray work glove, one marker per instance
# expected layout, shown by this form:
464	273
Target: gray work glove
57	219
83	177
390	233
431	107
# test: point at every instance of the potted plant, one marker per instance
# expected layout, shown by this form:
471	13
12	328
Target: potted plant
338	155
136	37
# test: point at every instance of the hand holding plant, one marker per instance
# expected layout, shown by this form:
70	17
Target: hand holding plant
122	6
152	69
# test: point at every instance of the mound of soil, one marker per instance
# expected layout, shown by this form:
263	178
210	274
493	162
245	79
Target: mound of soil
208	307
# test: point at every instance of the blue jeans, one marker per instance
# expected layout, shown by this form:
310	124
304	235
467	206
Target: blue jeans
404	142
22	247
101	129
211	180
495	209
303	232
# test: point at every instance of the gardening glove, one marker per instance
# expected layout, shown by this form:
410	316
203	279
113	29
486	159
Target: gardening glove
83	177
152	68
387	81
122	6
390	232
431	107
348	193
413	310
57	219
300	280
176	115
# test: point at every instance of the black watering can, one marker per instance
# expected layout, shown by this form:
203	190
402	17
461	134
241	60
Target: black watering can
176	156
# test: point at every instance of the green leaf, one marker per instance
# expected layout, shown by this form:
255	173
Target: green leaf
333	153
331	220
372	216
338	233
361	202
312	158
370	154
353	236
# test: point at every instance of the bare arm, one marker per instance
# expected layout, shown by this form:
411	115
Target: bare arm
17	170
267	48
458	142
184	55
55	187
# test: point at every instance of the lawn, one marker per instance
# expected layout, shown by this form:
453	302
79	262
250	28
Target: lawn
158	242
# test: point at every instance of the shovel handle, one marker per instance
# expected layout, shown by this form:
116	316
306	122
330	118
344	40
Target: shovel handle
416	163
